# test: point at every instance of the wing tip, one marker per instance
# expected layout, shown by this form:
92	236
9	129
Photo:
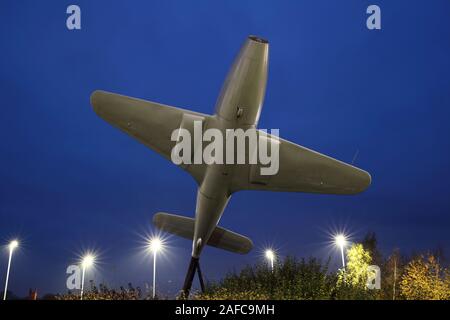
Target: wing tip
95	99
364	181
248	247
159	219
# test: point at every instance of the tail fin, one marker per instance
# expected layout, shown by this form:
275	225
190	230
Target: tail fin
220	238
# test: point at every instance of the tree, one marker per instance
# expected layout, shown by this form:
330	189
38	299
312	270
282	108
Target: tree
351	283
391	275
358	260
425	279
370	244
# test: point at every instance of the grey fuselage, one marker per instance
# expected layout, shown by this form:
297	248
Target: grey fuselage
238	106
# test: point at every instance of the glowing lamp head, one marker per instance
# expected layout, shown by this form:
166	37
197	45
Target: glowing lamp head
13	244
270	254
155	245
88	260
340	240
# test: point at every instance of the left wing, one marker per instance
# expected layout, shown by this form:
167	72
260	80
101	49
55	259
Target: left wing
149	122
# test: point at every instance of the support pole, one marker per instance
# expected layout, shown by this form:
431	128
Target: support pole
189	277
7	273
200	278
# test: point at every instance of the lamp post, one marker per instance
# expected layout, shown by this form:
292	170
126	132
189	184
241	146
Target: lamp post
270	255
155	245
12	245
88	260
340	241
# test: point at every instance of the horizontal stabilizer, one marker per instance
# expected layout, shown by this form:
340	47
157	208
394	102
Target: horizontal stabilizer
220	238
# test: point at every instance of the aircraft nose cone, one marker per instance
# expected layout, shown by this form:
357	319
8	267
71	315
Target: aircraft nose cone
258	39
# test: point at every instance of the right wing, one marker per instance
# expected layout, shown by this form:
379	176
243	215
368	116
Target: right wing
150	123
303	170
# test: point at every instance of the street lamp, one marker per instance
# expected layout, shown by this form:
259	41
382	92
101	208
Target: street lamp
340	241
270	255
12	245
155	245
88	261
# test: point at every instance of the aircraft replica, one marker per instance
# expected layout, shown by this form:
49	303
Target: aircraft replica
238	106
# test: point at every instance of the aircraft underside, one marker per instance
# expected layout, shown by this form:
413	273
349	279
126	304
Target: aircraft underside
239	106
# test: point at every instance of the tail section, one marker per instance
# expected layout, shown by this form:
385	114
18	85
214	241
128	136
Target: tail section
220	238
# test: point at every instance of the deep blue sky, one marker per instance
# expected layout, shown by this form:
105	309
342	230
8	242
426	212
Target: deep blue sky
71	181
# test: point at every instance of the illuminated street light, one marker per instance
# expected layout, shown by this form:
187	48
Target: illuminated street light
12	245
341	241
270	255
155	245
88	261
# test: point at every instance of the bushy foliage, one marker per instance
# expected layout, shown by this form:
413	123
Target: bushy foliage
358	260
422	277
291	279
425	279
102	292
351	282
